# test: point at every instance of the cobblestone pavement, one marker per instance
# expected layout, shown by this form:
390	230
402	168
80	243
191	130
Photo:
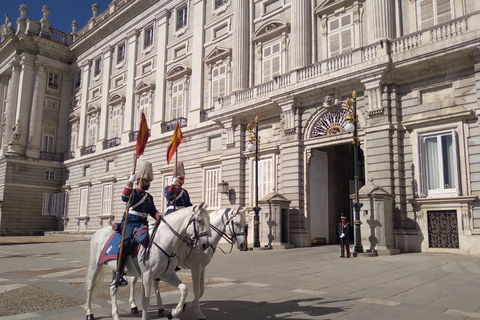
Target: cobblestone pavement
302	283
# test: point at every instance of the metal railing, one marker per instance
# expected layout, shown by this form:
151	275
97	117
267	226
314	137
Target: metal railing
170	125
110	143
87	150
51	156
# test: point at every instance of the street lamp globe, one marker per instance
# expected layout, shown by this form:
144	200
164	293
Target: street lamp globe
349	127
250	146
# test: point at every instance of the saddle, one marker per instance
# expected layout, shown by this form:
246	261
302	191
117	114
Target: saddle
111	249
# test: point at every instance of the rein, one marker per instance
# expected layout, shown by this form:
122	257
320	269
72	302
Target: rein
228	224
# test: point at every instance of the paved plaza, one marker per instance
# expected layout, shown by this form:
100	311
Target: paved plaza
302	283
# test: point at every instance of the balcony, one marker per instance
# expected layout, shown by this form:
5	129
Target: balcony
88	150
69	155
204	113
170	125
132	136
110	143
50	156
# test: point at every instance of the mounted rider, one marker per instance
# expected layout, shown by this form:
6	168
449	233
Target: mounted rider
140	206
176	196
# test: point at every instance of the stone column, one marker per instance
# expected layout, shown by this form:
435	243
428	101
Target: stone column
35	125
132	44
301	39
196	81
63	138
162	27
107	69
241	45
381	19
25	91
11	107
3	97
86	68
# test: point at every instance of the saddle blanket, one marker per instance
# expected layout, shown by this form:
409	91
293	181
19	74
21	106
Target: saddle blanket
110	250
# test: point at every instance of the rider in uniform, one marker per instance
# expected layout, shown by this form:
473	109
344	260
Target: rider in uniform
175	191
141	205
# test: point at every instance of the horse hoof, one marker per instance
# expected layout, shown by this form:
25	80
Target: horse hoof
161	312
134	310
90	317
169	315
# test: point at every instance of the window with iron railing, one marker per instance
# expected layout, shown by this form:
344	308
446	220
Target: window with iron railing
181	18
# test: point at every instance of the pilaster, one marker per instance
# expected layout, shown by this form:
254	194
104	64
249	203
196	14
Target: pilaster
11	107
288	121
132	44
381	19
3	97
35	124
24	102
196	81
301	39
107	69
86	68
241	45
162	34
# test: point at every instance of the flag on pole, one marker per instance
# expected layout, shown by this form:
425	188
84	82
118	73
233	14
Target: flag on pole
174	143
143	135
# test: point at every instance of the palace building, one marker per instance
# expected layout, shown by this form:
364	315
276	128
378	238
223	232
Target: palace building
71	104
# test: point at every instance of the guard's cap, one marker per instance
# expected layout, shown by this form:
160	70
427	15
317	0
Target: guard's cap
343	217
145	171
180	170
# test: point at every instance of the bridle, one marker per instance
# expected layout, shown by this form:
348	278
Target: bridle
230	237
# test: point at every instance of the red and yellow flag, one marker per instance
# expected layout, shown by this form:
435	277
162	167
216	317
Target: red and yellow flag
143	135
174	143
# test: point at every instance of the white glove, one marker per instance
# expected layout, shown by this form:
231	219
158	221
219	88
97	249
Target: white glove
132	178
342	235
175	181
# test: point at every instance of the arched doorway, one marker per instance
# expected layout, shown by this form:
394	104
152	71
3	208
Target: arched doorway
330	184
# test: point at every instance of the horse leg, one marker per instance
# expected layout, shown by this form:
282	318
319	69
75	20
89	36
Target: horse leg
146	286
197	280
161	308
94	277
173	280
113	296
132	281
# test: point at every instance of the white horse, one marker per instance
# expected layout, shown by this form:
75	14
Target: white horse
229	224
183	226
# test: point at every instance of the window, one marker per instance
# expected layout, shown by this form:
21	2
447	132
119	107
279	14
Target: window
433	12
107	200
73	136
148	38
97	67
78	79
272	61
54	204
47	144
219	82
92	131
439	163
265	177
52	104
340	31
215	143
86	171
181	18
53	80
49	175
115	123
270	6
212	178
110	165
177	110
83	205
120	53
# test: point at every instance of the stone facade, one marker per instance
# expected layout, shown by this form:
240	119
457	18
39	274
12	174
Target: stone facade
216	65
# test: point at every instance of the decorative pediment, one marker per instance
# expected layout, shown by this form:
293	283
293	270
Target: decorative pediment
219	53
116	99
144	87
271	30
92	109
177	72
330	6
73	117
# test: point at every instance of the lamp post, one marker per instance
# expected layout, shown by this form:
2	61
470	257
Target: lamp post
254	147
352	126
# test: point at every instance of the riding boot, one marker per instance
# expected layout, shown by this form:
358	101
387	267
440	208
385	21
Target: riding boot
119	280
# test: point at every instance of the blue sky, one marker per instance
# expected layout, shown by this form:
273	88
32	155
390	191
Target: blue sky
62	12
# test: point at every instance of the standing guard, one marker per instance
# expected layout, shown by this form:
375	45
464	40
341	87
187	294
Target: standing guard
140	206
343	230
176	196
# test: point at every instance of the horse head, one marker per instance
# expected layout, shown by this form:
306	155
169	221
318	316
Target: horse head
236	228
198	228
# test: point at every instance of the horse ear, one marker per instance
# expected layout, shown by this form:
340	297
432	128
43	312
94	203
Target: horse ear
201	206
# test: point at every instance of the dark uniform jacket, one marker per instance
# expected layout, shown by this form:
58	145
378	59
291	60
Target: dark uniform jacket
182	199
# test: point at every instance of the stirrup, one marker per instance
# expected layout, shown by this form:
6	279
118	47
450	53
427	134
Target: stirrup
119	281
